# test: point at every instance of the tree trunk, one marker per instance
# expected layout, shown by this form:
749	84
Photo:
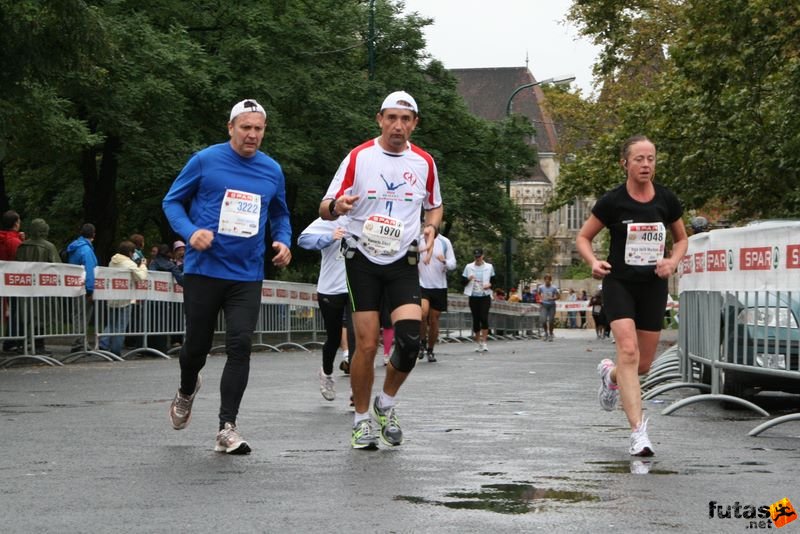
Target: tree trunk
100	200
4	201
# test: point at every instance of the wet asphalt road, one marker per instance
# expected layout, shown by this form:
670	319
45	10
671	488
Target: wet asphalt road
508	441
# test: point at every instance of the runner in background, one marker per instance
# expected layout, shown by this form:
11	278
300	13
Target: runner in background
548	295
478	277
332	298
433	284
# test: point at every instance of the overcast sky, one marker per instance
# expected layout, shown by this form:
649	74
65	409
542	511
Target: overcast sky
499	33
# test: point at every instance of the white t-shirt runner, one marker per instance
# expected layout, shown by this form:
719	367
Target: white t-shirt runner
391	188
483	275
433	275
332	279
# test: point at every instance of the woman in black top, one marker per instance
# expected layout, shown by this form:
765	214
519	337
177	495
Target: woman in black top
638	214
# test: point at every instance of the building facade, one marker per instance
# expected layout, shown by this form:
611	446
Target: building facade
486	92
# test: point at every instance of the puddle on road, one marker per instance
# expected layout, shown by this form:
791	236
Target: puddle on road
637	467
504	498
641	466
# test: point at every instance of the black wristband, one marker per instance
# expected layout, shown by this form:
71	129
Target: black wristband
332	208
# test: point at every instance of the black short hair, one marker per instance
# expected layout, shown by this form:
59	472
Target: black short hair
10	218
88	230
126	248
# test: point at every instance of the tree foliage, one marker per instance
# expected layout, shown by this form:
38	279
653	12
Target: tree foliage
103	101
712	82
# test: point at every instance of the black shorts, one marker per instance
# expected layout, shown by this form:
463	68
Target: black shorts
437	297
644	302
369	283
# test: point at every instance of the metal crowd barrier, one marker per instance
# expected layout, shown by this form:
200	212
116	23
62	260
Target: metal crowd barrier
507	320
739	329
125	307
40	302
289	318
46	303
14	330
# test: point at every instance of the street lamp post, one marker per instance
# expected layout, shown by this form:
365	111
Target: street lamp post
559	80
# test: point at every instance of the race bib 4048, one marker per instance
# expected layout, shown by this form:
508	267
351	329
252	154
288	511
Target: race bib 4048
645	243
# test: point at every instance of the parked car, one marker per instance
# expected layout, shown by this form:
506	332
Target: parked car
760	330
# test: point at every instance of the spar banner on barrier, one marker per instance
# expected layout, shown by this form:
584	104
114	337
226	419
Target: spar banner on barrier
457	302
460	303
273	292
759	257
38	279
121	284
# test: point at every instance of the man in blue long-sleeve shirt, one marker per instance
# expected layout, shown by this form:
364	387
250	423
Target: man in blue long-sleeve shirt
220	205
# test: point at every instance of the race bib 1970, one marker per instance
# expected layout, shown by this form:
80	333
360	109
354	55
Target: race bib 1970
382	235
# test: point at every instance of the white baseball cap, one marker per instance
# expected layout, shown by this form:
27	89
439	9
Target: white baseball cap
400	100
247	106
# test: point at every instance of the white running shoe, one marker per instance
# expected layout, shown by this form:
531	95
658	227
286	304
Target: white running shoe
608	393
484	347
327	386
640	443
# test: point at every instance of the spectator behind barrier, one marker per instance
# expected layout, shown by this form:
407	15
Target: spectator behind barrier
37	248
10	240
81	252
119	317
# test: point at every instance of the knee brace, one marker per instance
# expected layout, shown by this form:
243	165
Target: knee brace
406	341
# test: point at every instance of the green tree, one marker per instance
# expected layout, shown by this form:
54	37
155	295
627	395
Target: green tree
543	253
102	103
717	103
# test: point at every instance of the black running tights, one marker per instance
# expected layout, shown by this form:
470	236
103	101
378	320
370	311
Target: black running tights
203	299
